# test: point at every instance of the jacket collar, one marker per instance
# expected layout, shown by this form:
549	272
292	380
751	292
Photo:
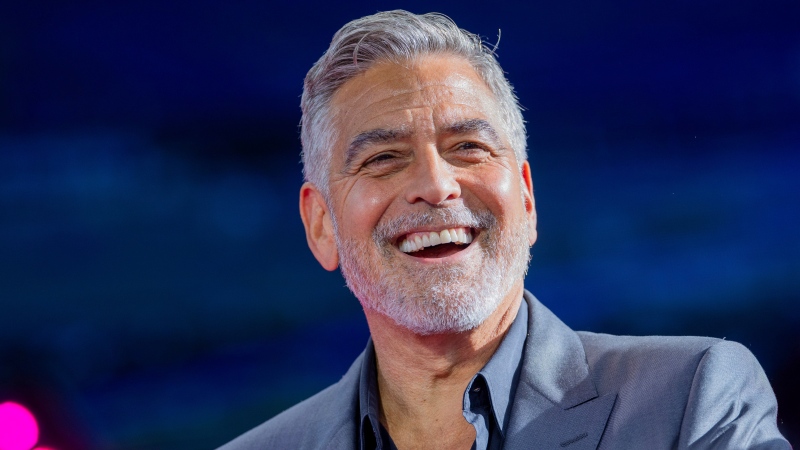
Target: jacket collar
556	403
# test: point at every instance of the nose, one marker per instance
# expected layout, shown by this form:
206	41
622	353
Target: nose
433	180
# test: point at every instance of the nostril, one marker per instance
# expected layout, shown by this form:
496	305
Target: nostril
435	193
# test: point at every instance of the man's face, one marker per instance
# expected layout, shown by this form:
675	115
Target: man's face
420	159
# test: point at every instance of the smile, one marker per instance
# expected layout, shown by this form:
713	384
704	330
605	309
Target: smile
414	242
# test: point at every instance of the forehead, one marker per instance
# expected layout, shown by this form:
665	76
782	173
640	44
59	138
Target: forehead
430	91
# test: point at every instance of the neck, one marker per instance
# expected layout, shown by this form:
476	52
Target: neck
422	378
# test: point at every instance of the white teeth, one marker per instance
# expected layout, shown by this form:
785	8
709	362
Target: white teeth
417	241
445	236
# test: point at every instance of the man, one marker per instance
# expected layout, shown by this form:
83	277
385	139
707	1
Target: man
419	189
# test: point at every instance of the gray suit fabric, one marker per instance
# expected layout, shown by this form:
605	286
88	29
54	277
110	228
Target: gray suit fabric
580	390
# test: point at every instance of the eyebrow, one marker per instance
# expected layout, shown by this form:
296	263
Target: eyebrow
480	126
373	137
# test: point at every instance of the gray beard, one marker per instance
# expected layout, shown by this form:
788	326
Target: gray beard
442	299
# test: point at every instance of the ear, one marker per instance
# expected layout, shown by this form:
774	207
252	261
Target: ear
530	203
319	226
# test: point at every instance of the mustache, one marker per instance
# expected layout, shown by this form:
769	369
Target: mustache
448	217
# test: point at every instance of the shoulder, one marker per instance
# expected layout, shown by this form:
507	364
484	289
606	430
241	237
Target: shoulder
677	362
643	354
731	402
701	392
647	370
318	422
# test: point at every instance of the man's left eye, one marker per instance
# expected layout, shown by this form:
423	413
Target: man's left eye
472	145
471	148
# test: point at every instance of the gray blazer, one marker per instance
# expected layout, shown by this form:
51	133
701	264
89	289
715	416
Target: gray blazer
580	390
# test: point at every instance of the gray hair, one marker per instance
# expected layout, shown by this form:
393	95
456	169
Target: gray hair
395	36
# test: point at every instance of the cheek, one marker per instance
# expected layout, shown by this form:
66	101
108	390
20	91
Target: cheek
364	206
501	189
506	185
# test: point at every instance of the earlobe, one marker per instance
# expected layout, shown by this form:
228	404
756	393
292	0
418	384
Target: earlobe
530	203
318	223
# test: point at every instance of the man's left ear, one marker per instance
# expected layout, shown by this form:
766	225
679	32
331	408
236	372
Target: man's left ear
530	203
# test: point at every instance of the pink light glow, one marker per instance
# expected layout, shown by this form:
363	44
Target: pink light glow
18	428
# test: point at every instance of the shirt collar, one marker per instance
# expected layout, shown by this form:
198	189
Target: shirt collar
501	374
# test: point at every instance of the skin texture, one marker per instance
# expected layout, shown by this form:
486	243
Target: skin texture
423	163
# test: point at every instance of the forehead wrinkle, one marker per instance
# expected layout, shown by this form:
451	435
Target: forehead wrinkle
402	79
353	96
361	101
400	85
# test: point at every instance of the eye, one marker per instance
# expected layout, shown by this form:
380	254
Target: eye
470	146
379	158
471	151
383	163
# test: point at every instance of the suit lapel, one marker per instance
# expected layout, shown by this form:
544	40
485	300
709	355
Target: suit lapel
556	404
343	412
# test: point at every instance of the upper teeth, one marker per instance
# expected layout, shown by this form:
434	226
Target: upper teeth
417	241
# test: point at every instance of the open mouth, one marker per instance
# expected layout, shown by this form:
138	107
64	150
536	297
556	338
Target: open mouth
436	244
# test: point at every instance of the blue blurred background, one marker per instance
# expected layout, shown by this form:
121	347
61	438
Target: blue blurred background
156	290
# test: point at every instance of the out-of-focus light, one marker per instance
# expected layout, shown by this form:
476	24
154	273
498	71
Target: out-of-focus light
18	428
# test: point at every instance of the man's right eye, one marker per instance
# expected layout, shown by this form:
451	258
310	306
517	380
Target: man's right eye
379	158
